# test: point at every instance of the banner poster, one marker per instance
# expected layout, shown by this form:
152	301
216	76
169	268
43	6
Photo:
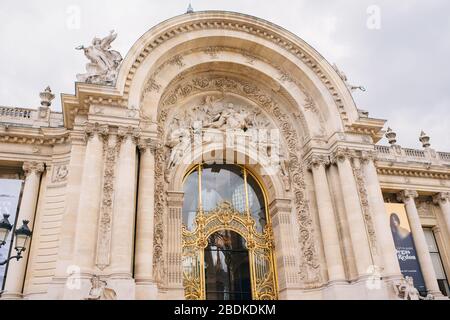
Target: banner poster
9	200
404	243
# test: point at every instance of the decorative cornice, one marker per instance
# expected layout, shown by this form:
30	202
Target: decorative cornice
33	167
407	195
413	173
441	198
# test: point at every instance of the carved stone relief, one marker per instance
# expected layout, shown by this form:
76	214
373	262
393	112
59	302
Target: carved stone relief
309	268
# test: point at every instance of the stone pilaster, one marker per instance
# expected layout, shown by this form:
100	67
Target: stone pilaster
327	218
420	242
146	288
174	246
90	198
443	200
286	246
16	269
385	242
125	184
355	218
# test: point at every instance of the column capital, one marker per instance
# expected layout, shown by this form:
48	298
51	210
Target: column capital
33	167
95	128
406	195
368	156
315	161
341	154
129	133
149	144
441	198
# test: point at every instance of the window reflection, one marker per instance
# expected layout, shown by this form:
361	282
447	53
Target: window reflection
220	183
227	268
223	183
9	201
190	204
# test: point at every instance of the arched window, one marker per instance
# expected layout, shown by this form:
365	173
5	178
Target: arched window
227	239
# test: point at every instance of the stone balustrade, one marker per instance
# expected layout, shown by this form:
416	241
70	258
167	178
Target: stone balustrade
30	117
425	156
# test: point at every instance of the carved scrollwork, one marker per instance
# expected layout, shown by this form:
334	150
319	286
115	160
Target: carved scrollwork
33	167
260	246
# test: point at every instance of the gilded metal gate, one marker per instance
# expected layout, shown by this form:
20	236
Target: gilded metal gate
260	247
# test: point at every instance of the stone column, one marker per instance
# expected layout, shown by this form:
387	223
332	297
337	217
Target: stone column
327	219
388	252
356	223
146	288
90	198
174	246
125	186
443	200
420	242
16	269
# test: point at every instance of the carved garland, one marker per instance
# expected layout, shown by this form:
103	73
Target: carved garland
111	149
309	268
362	191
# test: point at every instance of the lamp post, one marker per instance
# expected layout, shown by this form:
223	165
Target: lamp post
23	234
5	229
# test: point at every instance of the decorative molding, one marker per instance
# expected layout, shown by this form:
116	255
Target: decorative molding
418	173
259	31
60	173
425	209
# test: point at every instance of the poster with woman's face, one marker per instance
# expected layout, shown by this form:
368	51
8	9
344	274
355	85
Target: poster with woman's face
404	243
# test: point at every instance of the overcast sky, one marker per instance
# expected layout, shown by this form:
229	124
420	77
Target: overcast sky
404	64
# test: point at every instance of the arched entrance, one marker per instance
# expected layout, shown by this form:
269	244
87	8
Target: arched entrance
227	236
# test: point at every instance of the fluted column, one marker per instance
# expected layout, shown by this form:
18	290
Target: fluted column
90	198
16	269
356	223
124	204
443	200
143	263
327	218
420	242
385	241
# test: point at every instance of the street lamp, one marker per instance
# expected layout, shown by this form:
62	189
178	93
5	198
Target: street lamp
23	234
5	229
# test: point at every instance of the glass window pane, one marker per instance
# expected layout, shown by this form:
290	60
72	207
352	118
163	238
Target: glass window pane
223	183
256	203
437	264
9	201
227	268
431	241
190	204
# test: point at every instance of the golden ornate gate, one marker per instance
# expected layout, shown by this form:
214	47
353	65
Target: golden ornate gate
260	247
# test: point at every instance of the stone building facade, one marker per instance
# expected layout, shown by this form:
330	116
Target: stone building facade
104	182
